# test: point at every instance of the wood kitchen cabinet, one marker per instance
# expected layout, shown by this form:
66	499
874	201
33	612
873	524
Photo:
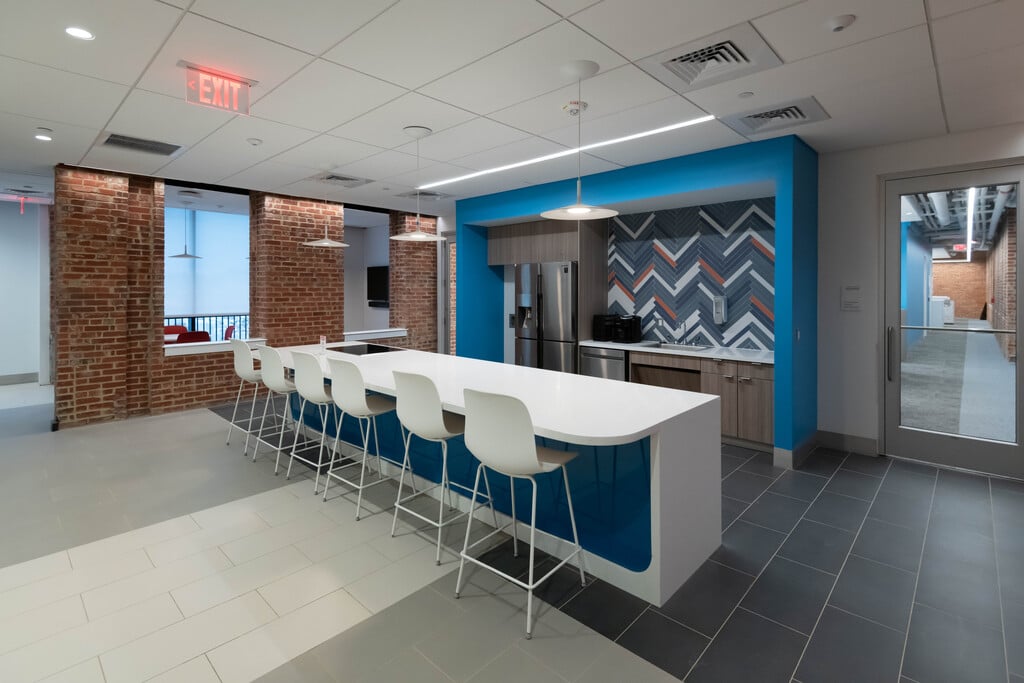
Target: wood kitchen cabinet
665	370
747	392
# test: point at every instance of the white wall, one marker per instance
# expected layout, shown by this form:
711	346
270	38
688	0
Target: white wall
849	251
20	302
377	248
366	247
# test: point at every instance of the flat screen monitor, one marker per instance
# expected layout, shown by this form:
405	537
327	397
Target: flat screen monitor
377	286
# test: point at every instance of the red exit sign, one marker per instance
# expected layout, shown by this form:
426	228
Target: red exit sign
959	247
217	91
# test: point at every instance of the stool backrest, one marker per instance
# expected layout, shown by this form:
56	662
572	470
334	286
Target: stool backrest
309	378
347	386
244	367
273	370
499	432
419	405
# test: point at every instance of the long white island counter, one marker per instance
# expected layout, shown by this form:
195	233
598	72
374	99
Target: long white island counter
647	485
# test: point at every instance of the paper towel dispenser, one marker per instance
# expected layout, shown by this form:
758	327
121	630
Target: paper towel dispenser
718	309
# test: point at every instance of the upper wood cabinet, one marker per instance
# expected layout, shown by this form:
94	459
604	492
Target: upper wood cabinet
533	242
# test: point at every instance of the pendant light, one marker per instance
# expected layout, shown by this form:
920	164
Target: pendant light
325	242
580	69
185	254
417	235
190	222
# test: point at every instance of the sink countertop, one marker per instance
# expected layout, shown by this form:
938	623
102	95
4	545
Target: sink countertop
716	352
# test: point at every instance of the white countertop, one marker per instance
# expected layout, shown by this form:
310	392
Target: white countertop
717	352
571	408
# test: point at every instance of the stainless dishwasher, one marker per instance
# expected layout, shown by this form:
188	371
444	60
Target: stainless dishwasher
607	363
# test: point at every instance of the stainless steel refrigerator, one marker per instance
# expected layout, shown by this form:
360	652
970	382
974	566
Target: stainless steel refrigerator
545	317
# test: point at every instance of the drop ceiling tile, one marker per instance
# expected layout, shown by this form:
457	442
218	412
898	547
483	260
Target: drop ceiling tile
993	78
384	126
559	169
646	117
568	7
23	152
384	165
266	175
27	181
851	68
488	184
312	26
699	138
128	161
606	93
466	138
167	119
522	70
942	8
799	31
208	43
57	95
458	32
509	154
326	152
323	96
34	31
429	174
640	29
988	28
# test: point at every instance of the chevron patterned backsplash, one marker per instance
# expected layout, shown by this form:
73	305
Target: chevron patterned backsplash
666	266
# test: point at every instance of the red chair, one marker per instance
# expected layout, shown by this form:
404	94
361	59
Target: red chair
188	337
229	332
174	329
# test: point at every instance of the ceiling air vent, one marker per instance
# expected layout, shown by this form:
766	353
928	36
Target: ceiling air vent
165	149
340	180
777	117
425	195
726	55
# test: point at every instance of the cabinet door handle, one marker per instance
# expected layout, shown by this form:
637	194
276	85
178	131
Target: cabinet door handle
727	376
744	379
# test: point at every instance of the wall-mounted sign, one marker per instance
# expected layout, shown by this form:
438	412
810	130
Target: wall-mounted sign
850	298
217	91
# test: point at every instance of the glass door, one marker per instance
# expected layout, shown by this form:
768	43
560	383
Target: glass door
952	389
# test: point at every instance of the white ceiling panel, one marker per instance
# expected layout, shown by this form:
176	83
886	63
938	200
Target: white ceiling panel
487	184
312	26
323	96
850	68
559	169
509	154
988	28
521	71
384	126
985	90
32	90
127	34
167	119
266	175
101	156
384	165
392	46
21	151
699	138
640	29
942	8
799	31
27	181
325	152
568	7
216	46
429	174
606	93
466	138
666	112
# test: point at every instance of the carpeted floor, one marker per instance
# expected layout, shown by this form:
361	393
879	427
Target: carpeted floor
932	382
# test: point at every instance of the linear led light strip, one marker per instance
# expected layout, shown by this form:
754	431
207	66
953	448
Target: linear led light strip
568	152
972	195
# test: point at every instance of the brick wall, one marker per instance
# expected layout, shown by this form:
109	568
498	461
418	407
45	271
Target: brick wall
1003	276
296	293
964	283
451	296
413	272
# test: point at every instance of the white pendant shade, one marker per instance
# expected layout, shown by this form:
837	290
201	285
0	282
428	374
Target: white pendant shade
417	235
185	254
325	242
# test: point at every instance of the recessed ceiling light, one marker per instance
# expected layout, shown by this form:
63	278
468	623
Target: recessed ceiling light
78	32
255	142
840	23
44	134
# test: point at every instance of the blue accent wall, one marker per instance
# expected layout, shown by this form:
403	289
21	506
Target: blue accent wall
787	162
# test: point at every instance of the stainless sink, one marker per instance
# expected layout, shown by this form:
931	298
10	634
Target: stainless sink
683	347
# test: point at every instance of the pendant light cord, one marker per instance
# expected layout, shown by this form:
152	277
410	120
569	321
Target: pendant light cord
579	140
417	189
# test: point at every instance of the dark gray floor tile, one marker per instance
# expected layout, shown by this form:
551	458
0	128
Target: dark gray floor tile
1013	630
1006	485
944	648
896	509
920	468
822	462
744	485
964	482
605	608
730	463
875	465
848	648
779	513
839	511
958	511
950	542
738	451
749	648
664	643
909	485
562	586
890	544
962	588
731	510
747	547
854	484
875	591
762	464
706	599
1007	508
1014	678
817	545
1011	576
790	594
799	485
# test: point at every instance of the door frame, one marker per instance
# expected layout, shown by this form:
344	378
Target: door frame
1011	461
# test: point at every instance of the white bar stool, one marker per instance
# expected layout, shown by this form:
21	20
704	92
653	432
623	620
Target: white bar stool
499	432
275	378
245	368
349	392
420	412
312	387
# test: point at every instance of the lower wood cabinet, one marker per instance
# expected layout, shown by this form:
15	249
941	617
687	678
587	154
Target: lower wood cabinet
747	391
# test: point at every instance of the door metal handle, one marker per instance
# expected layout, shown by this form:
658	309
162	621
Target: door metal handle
889	343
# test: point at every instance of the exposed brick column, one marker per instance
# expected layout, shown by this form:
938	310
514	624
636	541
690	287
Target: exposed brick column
145	306
296	293
413	274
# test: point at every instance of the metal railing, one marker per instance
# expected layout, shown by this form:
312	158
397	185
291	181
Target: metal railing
214	323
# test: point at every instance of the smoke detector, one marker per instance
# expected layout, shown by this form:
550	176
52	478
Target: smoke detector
840	23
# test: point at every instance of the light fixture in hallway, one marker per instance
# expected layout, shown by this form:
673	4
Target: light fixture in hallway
325	242
418	234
